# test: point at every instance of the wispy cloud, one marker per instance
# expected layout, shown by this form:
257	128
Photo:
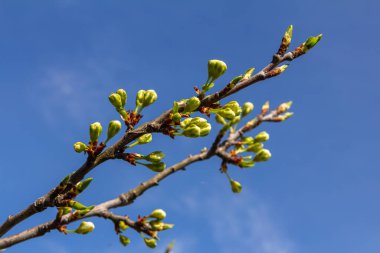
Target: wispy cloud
241	224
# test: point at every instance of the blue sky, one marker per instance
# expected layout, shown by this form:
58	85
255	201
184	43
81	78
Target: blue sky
61	59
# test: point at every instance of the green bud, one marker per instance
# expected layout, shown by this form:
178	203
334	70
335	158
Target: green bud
198	121
158	214
226	113
81	213
205	130
113	128
246	164
155	157
235	120
144	139
311	42
192	104
288	36
175	107
157	225
85	227
156	167
123	95
248	74
265	107
234	106
79	147
262	155
81	186
125	241
192	131
216	68
76	205
262	137
95	131
235	186
285	116
140	98
150	97
186	122
64	210
256	147
219	119
248	140
247	108
150	242
176	117
236	80
167	226
123	225
115	100
284	107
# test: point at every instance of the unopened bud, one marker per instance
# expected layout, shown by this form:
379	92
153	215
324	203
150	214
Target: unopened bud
248	140
167	226
79	147
262	155
284	107
85	227
113	128
235	186
156	167
216	68
236	80
285	116
192	131
226	113
205	130
140	98
262	137
123	225
158	214
246	164
81	186
311	42
186	122
235	120
234	106
155	157
123	95
176	117
286	41
150	242
150	97
256	147
247	109
95	131
116	100
144	139
192	104
125	241
76	205
265	108
219	119
248	73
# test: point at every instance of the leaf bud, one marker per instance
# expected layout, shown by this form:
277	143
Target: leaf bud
113	128
265	108
284	107
236	80
158	214
311	42
192	104
85	227
125	241
262	155
150	242
248	74
123	95
216	68
235	186
262	137
116	100
81	186
247	109
79	147
95	131
76	205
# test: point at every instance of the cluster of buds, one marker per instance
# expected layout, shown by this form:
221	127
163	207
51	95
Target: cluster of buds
144	98
232	112
96	129
216	68
118	99
155	220
195	127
